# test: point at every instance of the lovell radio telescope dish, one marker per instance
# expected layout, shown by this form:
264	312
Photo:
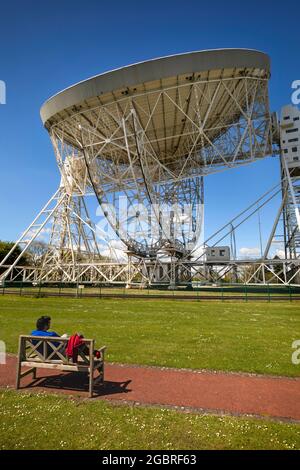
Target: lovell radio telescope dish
150	132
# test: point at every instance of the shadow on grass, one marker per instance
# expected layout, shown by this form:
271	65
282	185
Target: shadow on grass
78	382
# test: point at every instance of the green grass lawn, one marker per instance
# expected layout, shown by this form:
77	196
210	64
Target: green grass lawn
64	423
250	337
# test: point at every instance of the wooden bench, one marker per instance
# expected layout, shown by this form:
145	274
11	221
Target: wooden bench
48	353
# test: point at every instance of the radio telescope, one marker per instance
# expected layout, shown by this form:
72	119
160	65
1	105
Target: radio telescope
141	139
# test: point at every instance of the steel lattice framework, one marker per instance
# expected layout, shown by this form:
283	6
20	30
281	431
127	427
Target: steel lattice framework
129	149
148	133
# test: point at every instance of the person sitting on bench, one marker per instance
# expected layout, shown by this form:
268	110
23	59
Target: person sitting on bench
42	327
71	349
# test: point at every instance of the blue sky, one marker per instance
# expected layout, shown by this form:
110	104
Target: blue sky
49	45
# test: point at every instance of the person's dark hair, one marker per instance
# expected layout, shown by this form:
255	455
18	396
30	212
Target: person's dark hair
42	322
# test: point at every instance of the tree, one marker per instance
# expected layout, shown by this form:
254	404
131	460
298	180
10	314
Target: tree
5	248
36	253
278	269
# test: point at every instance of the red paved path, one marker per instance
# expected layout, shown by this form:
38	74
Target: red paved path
219	392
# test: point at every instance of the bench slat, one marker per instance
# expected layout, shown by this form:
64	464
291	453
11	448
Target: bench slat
62	367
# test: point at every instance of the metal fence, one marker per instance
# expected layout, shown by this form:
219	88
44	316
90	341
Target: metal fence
223	293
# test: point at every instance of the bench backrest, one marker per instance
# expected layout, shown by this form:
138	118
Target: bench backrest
48	349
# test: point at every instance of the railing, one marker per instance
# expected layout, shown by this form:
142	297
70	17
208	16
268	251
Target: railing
233	292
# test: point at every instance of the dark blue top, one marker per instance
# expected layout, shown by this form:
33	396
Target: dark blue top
43	333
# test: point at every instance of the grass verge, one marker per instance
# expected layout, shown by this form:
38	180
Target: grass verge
41	421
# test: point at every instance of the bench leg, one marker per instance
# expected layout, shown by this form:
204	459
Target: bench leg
101	374
100	377
18	375
91	383
91	361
